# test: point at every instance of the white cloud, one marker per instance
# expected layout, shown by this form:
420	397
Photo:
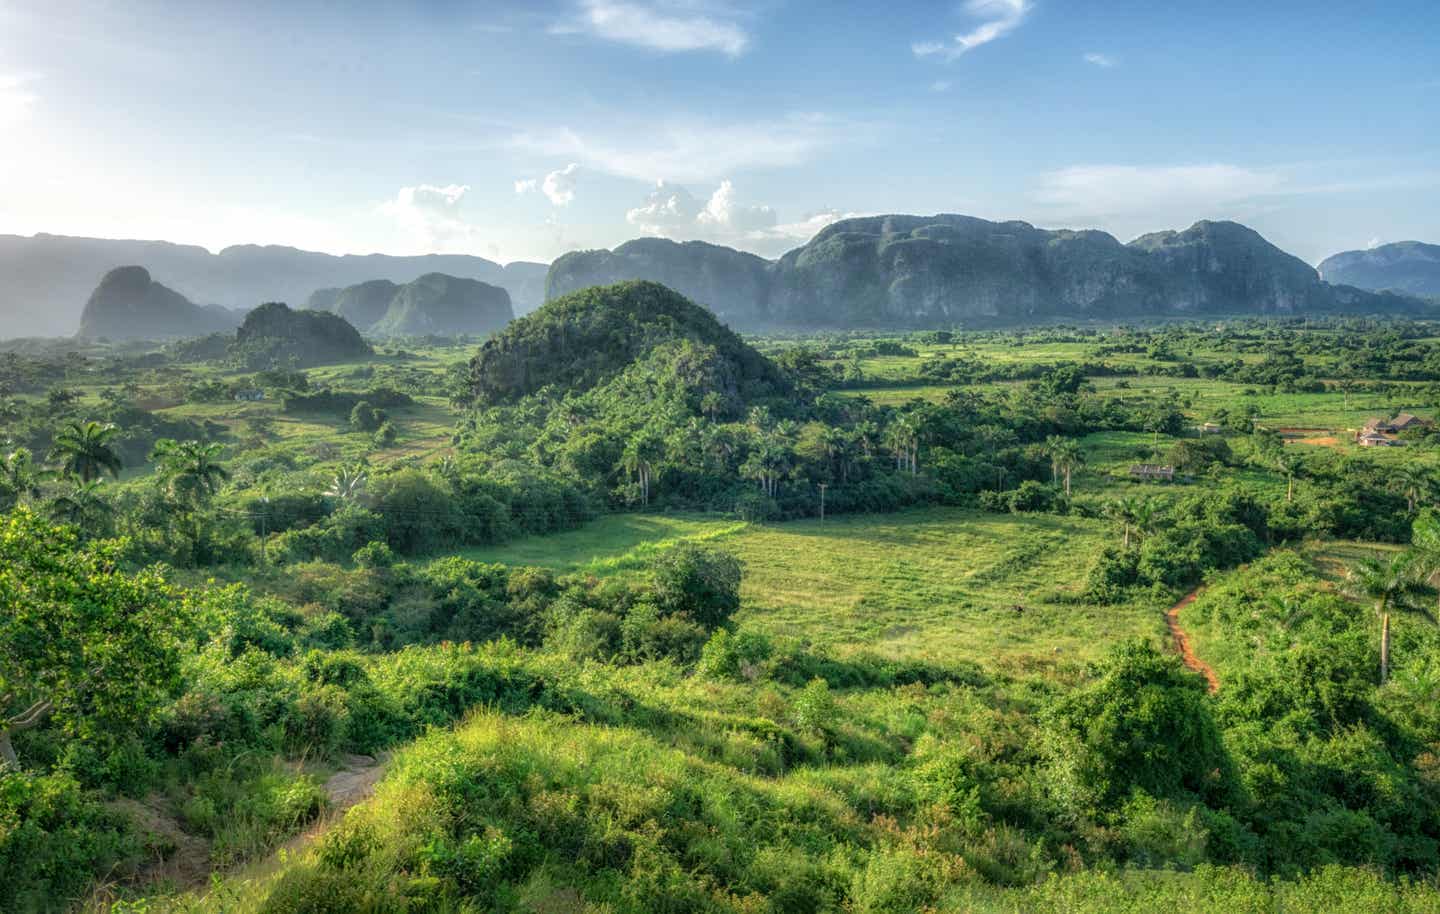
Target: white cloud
941	85
1099	190
526	185
431	214
665	26
687	150
1373	243
1104	61
726	214
671	211
15	99
1000	18
559	185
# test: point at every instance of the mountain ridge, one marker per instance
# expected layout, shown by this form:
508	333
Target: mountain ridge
1410	267
904	271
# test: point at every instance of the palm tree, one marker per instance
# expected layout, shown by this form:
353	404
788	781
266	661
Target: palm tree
1065	456
349	482
903	438
1413	483
20	478
1290	465
83	450
191	470
639	458
1391	583
1125	511
82	506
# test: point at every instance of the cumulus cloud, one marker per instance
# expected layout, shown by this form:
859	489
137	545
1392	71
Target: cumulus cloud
1373	243
672	211
998	18
1105	61
689	150
725	213
559	185
525	185
665	26
669	210
432	214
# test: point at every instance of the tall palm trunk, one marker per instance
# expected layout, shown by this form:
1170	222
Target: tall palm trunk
1384	647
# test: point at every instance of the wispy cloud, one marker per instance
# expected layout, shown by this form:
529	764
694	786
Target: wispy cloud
431	215
526	185
941	85
660	26
999	18
1105	190
16	99
685	150
1104	61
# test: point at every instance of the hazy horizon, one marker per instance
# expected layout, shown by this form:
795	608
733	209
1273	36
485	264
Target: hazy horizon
522	131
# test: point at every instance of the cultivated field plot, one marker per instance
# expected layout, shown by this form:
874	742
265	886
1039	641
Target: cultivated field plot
940	584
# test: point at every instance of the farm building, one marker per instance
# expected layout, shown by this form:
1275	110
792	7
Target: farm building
1375	439
1152	471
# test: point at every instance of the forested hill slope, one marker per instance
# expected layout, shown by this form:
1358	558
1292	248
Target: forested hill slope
1411	267
933	271
274	332
45	279
582	339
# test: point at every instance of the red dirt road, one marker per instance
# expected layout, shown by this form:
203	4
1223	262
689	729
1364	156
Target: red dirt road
1182	641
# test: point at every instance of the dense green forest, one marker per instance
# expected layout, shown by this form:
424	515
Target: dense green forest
616	610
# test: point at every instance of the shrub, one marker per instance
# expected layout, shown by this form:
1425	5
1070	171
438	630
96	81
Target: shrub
697	581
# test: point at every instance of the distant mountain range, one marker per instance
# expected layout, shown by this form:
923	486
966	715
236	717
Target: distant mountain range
894	272
45	280
1411	267
933	271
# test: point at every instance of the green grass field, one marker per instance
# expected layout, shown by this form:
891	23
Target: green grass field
937	584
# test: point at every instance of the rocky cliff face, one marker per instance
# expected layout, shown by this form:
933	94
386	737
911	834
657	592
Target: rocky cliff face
927	271
440	304
129	304
1410	267
364	304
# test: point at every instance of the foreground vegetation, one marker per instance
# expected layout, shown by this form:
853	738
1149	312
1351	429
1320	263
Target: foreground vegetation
619	660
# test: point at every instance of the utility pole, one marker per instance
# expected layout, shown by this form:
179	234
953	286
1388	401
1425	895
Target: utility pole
264	530
823	487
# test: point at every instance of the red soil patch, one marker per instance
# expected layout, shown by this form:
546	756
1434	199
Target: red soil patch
1182	641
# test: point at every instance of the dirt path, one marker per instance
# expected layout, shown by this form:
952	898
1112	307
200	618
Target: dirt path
185	862
1182	641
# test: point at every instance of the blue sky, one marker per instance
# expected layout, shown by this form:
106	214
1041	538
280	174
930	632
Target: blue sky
519	131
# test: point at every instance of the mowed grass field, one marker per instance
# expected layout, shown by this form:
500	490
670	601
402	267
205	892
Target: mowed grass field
941	584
